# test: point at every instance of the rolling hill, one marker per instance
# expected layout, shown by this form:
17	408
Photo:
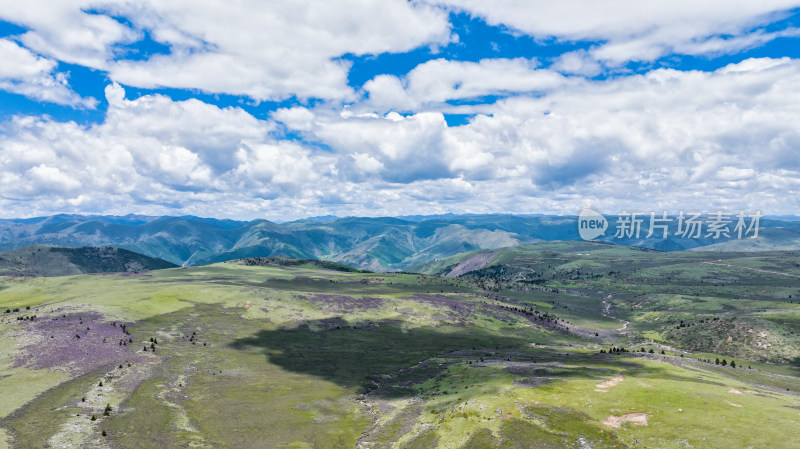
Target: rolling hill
43	260
546	345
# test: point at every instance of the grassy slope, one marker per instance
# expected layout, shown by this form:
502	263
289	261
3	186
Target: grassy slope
737	304
42	260
298	356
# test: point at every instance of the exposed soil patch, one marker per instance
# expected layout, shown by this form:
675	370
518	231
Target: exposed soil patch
475	262
615	422
605	385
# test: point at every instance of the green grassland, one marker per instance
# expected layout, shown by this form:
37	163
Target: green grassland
307	355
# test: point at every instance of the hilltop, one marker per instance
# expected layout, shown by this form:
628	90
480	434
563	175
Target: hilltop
44	260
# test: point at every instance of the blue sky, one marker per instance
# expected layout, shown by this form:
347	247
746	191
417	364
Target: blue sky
303	108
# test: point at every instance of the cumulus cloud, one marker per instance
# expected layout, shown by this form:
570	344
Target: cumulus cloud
263	50
633	30
666	139
70	31
33	76
579	62
441	80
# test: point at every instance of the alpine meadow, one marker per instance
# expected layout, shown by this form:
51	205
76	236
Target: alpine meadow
400	224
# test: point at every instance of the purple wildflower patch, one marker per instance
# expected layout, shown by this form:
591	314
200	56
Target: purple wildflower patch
78	342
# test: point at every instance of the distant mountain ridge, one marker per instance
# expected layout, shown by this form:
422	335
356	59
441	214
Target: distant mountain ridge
375	244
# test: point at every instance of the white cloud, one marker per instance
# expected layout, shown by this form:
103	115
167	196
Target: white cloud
578	62
408	148
637	30
33	76
667	139
264	50
67	30
367	164
440	80
151	121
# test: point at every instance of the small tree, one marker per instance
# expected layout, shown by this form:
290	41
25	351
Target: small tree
94	418
717	361
733	364
107	411
104	433
724	362
651	351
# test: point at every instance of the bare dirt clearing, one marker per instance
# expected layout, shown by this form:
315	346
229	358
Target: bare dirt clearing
606	384
475	262
615	422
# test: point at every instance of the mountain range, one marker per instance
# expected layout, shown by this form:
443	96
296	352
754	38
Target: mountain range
376	244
